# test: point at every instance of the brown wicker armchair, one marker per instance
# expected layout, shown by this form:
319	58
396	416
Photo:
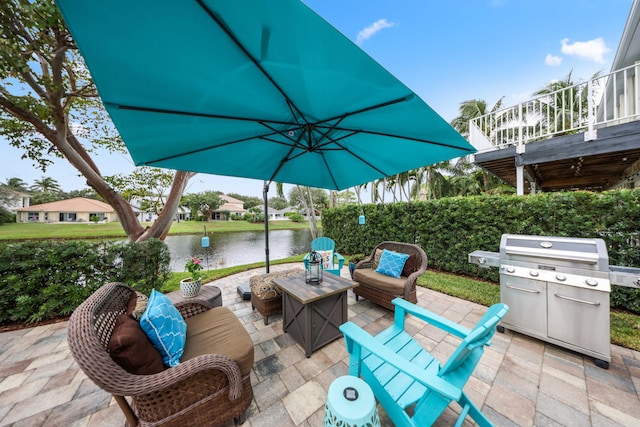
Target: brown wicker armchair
205	389
381	289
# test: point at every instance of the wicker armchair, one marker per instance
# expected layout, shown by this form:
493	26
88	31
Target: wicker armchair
381	289
207	389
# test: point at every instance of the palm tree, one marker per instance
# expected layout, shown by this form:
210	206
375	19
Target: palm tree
16	184
436	184
471	109
46	185
567	106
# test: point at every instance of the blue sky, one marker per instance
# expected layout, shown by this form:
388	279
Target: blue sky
446	51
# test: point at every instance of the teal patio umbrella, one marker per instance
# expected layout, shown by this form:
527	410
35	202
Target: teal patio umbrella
255	89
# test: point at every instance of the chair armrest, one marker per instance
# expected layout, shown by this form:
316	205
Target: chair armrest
428	316
131	385
340	259
193	306
361	338
365	263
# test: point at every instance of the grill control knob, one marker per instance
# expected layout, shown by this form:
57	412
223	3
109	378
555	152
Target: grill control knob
591	282
511	270
534	273
561	277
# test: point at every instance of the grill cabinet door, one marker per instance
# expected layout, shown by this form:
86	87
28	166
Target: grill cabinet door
527	301
580	317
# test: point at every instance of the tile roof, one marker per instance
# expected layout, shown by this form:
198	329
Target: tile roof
79	204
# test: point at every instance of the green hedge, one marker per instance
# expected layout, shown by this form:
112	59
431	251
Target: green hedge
451	228
45	279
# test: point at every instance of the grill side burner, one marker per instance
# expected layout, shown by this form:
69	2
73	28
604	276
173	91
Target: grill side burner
557	290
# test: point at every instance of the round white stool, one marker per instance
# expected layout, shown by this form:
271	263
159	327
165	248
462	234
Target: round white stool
350	402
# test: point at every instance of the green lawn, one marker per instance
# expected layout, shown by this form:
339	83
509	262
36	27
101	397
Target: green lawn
24	231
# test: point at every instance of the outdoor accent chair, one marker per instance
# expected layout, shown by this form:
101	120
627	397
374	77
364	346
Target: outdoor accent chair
403	375
382	289
205	388
335	262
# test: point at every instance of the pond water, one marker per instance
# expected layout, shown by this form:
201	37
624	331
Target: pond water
237	248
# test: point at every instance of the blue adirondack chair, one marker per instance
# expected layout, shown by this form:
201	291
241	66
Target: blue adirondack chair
326	244
401	373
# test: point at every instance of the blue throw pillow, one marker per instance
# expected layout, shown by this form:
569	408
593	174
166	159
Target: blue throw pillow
391	263
165	327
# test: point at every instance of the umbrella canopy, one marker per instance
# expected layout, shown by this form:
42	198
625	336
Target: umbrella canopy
255	89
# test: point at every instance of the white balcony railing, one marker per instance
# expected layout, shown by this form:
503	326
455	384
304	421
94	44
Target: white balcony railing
608	99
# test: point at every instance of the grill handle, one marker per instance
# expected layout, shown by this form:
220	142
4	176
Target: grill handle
576	299
523	289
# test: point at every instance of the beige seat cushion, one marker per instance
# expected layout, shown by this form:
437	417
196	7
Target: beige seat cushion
218	331
385	283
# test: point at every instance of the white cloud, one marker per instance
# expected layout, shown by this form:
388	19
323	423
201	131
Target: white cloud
592	50
552	60
372	29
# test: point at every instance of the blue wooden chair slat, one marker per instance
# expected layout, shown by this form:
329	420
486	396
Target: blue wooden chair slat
403	374
326	244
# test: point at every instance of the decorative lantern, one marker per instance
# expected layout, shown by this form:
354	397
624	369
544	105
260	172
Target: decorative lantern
314	272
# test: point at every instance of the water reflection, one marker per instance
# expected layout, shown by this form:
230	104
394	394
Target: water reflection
237	248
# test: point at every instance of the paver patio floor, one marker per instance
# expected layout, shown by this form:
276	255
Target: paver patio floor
520	381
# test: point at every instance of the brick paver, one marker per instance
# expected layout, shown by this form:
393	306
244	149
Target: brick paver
520	381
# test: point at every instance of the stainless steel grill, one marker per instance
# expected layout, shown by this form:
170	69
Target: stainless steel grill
557	290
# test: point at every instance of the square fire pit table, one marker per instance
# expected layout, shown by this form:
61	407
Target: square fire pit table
312	314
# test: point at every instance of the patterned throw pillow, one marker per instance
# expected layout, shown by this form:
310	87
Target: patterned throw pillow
391	263
327	259
165	327
141	301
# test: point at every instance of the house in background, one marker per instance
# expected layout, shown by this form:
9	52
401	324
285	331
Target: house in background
276	214
79	209
14	200
281	214
230	207
584	137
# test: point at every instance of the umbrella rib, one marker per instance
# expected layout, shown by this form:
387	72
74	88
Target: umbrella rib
333	179
194	114
200	150
366	109
408	138
284	160
244	50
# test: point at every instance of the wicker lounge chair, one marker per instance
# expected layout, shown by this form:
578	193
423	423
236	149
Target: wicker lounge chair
381	289
204	389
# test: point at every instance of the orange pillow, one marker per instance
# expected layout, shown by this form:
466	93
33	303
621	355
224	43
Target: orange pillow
130	348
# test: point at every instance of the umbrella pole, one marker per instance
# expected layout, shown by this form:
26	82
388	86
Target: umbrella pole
266	223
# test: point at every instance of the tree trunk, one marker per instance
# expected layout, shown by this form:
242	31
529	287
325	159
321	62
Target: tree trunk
73	152
161	226
307	203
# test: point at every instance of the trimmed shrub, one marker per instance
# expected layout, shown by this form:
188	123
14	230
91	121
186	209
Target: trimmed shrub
451	228
46	279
